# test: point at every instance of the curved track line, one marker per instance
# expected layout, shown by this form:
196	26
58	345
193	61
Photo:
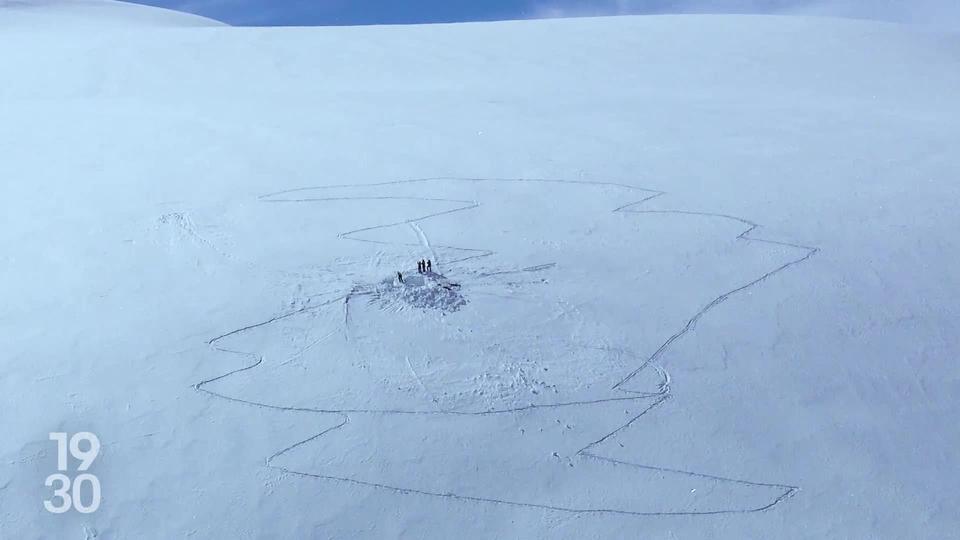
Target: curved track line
663	395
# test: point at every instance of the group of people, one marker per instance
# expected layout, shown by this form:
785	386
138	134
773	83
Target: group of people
423	267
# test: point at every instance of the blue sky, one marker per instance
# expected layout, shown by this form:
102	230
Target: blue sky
350	12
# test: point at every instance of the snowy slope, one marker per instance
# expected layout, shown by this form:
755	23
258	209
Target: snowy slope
65	15
692	277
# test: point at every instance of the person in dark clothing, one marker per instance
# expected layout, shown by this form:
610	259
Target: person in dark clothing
429	266
400	277
419	267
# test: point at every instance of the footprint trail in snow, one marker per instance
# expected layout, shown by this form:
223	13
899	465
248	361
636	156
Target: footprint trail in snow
506	375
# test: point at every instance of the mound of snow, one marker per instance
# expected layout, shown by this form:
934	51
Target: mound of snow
29	14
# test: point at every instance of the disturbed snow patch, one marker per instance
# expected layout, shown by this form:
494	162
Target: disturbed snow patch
422	291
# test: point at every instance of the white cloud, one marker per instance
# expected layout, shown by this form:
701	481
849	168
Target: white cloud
938	13
941	13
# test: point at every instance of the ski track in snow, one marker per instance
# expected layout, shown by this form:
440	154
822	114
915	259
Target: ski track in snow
464	205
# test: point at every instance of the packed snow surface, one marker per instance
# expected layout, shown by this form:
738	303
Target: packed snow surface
692	277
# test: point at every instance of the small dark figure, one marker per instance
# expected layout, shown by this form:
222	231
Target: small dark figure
429	266
421	266
400	277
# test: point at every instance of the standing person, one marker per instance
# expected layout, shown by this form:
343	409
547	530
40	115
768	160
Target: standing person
400	277
429	266
419	267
